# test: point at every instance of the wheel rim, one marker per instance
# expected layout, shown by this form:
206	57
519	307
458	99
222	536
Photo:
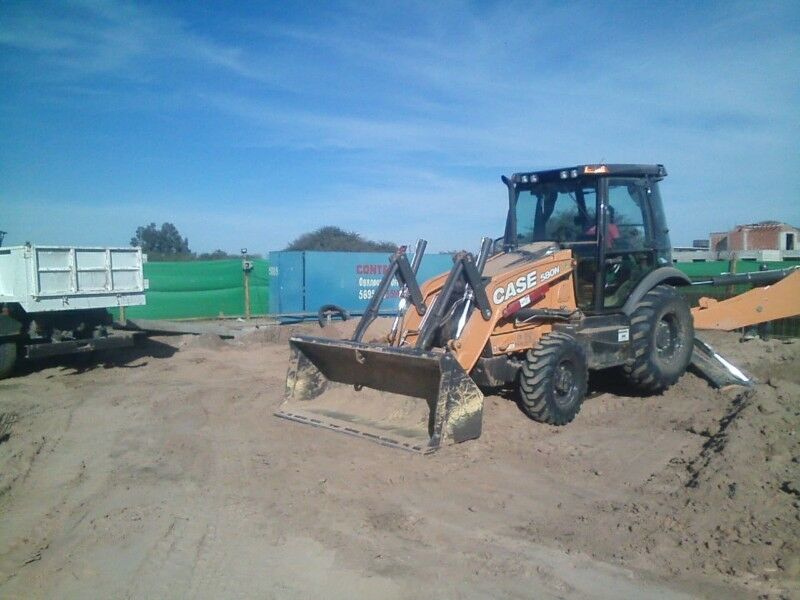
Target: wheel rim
565	382
667	338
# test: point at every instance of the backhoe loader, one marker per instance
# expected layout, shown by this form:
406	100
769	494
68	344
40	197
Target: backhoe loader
581	280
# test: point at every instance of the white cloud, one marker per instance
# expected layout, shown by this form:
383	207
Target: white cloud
84	38
442	88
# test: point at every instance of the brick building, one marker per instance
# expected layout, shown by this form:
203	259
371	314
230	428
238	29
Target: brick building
762	240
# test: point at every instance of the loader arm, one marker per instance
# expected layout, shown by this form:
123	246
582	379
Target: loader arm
545	283
780	300
373	390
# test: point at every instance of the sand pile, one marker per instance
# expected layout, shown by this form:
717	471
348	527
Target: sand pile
205	341
734	507
764	359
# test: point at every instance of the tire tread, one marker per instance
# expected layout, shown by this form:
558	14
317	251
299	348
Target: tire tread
535	381
641	370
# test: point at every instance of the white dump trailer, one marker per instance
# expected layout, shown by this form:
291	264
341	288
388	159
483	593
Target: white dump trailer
55	299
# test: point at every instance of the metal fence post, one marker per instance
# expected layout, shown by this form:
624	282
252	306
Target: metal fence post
247	267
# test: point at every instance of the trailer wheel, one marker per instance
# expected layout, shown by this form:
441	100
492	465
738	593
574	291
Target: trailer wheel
662	337
8	356
553	380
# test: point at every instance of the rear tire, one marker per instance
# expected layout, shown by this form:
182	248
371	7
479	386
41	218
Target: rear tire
8	356
553	380
662	338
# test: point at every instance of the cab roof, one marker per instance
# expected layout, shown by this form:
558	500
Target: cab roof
597	170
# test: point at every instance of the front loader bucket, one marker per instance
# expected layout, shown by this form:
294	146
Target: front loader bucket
400	397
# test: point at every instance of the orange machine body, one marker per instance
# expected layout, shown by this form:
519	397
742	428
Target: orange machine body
545	283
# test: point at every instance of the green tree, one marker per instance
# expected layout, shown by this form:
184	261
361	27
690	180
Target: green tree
222	255
164	243
335	239
216	255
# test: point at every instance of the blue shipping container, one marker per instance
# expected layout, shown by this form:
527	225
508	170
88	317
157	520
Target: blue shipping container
301	282
286	282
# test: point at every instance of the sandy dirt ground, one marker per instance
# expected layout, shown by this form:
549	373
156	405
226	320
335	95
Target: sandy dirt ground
160	472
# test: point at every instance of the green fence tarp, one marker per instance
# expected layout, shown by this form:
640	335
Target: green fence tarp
700	270
207	289
197	289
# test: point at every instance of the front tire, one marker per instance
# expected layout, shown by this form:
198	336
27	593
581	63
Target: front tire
662	338
553	380
8	356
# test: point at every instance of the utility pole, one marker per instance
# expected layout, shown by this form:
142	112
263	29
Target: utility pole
247	267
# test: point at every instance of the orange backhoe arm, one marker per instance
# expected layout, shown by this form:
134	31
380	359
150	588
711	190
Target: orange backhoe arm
780	300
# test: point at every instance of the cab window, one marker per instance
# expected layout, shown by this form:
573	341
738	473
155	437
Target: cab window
628	226
560	212
629	252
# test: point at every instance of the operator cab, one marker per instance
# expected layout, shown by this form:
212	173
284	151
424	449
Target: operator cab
610	216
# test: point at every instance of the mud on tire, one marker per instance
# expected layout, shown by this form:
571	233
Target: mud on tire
662	337
553	380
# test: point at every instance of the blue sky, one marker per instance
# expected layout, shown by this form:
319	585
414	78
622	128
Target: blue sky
247	124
